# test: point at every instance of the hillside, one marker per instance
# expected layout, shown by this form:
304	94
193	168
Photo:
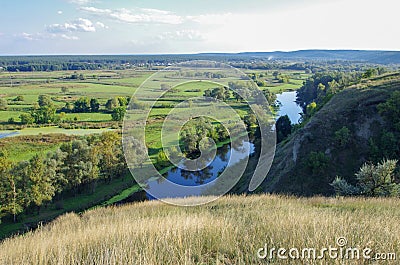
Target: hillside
354	108
227	231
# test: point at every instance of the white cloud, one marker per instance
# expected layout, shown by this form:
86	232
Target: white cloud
44	36
137	15
28	36
59	12
80	2
182	35
66	37
101	25
79	25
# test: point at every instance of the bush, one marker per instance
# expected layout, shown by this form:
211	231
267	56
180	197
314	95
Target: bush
342	136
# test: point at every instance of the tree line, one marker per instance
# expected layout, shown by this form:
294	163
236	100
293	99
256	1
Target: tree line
75	167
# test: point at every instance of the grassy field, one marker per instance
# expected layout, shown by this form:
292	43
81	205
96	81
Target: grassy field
230	230
102	85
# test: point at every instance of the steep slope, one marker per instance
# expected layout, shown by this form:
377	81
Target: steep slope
312	157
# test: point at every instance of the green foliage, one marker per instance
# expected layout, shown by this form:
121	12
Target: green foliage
378	180
317	163
44	115
112	162
219	93
271	97
372	180
94	105
26	118
250	120
342	136
162	160
19	98
283	128
283	79
118	113
82	105
390	110
112	104
75	165
311	109
320	85
369	73
197	129
44	101
342	188
122	101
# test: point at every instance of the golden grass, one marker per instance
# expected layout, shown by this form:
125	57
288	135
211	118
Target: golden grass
227	231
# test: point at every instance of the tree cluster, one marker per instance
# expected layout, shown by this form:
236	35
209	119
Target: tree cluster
74	167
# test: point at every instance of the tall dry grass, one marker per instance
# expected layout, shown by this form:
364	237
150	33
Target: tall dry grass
227	231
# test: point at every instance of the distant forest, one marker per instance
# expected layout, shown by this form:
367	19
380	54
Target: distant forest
265	60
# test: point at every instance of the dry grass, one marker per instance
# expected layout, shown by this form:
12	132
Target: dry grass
227	231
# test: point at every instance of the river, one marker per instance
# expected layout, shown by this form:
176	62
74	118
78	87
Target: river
288	106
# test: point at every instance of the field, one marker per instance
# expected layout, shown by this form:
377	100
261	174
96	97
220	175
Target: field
102	85
230	230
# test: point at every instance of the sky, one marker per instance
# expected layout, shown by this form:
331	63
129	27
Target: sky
195	26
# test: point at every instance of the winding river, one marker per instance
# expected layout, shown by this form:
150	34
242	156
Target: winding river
288	106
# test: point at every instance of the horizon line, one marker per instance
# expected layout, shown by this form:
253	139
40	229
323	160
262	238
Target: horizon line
195	53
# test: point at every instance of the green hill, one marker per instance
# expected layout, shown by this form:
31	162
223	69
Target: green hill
313	156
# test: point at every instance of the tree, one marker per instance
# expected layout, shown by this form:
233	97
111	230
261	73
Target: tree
19	98
118	113
112	104
342	136
369	73
45	114
317	162
373	180
44	101
162	160
94	105
390	110
26	118
271	97
122	101
112	162
82	105
41	189
9	194
3	104
79	167
378	180
342	188
283	128
64	90
250	120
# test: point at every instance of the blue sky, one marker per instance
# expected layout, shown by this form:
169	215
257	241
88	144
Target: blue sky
193	26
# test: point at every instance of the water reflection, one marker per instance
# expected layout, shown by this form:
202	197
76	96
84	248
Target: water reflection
288	106
226	156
